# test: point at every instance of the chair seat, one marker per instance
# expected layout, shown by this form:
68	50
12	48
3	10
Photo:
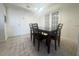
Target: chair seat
53	35
41	36
44	36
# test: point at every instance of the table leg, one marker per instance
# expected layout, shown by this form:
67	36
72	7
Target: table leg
48	44
31	35
38	44
55	44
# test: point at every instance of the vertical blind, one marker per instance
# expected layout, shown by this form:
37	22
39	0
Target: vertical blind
54	20
55	17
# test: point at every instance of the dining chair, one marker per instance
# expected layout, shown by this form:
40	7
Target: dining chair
55	35
37	35
59	33
35	31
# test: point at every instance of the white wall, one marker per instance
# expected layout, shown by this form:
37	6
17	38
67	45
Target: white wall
69	16
2	31
71	22
18	21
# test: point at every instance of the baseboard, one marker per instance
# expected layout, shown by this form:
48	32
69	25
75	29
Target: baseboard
2	40
19	35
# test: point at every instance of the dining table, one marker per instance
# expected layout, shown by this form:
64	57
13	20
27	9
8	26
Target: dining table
47	31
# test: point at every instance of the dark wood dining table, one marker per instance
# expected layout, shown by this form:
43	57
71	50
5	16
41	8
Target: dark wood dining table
48	31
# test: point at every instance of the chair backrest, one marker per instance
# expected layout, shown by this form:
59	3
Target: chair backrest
31	28
35	28
59	27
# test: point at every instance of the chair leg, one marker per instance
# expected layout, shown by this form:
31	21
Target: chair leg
58	42
59	39
46	42
31	36
38	44
34	40
48	49
55	45
48	45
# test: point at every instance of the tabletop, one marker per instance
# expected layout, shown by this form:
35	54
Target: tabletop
46	29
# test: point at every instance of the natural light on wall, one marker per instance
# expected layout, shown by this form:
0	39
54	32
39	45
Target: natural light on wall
39	10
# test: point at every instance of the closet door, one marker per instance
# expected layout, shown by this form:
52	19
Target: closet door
55	18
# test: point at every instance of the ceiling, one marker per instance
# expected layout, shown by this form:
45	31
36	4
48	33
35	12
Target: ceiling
34	7
31	6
